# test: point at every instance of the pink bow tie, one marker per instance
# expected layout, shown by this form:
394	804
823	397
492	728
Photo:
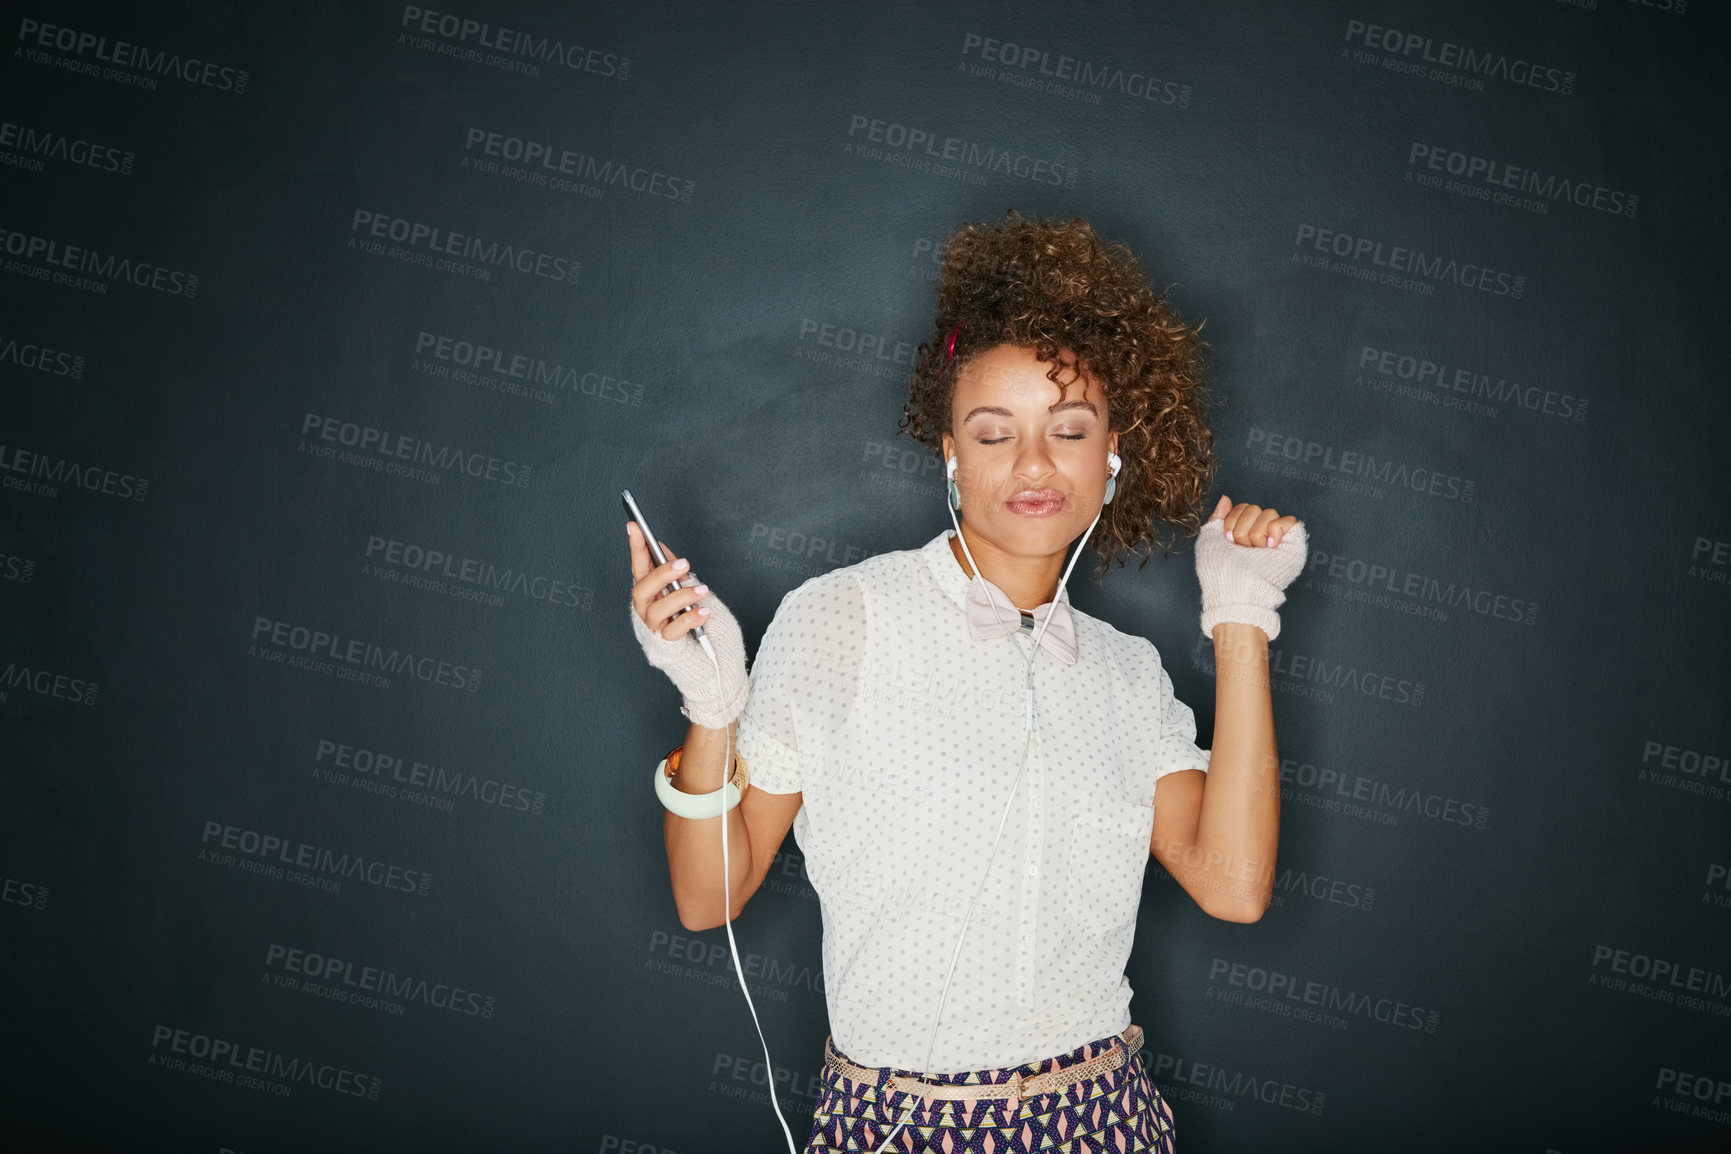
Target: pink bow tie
984	622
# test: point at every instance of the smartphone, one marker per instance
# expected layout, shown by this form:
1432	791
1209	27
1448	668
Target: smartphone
656	552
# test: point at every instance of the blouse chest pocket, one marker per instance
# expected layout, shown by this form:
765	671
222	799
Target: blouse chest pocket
1108	855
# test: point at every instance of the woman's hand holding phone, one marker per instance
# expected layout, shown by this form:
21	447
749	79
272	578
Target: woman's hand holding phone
662	618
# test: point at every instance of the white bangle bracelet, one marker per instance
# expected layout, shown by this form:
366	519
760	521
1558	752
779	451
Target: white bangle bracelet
697	806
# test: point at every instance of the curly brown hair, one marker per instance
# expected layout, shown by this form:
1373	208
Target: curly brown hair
1057	289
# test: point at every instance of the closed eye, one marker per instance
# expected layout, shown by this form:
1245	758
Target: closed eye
1060	436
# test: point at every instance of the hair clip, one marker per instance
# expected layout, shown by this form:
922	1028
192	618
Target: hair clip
950	345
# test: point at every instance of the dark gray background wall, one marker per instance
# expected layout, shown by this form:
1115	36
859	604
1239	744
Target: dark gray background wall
330	332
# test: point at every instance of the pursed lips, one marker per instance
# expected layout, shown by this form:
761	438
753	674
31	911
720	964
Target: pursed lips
1036	502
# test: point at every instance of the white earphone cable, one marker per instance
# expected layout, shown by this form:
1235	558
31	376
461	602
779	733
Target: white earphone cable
1003	819
727	910
997	839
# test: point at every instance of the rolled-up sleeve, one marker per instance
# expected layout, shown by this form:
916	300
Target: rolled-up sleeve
803	681
1172	740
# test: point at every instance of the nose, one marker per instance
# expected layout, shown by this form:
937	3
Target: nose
1034	465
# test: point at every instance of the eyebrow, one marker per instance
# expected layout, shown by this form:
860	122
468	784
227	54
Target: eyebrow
1000	411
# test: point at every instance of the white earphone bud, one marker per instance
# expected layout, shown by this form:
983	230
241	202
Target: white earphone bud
955	494
1113	462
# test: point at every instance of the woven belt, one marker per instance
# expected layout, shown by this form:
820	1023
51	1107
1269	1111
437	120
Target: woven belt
1017	1088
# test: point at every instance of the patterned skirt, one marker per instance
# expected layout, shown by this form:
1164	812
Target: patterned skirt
1119	1112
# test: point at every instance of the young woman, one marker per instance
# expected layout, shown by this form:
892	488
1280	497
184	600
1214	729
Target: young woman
975	771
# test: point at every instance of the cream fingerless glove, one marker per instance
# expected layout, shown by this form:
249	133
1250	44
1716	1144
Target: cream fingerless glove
688	667
1246	583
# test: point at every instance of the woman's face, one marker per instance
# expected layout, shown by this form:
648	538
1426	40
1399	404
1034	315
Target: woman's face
1030	460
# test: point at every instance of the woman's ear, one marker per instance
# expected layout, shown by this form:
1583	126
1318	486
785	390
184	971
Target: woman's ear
1112	442
949	448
